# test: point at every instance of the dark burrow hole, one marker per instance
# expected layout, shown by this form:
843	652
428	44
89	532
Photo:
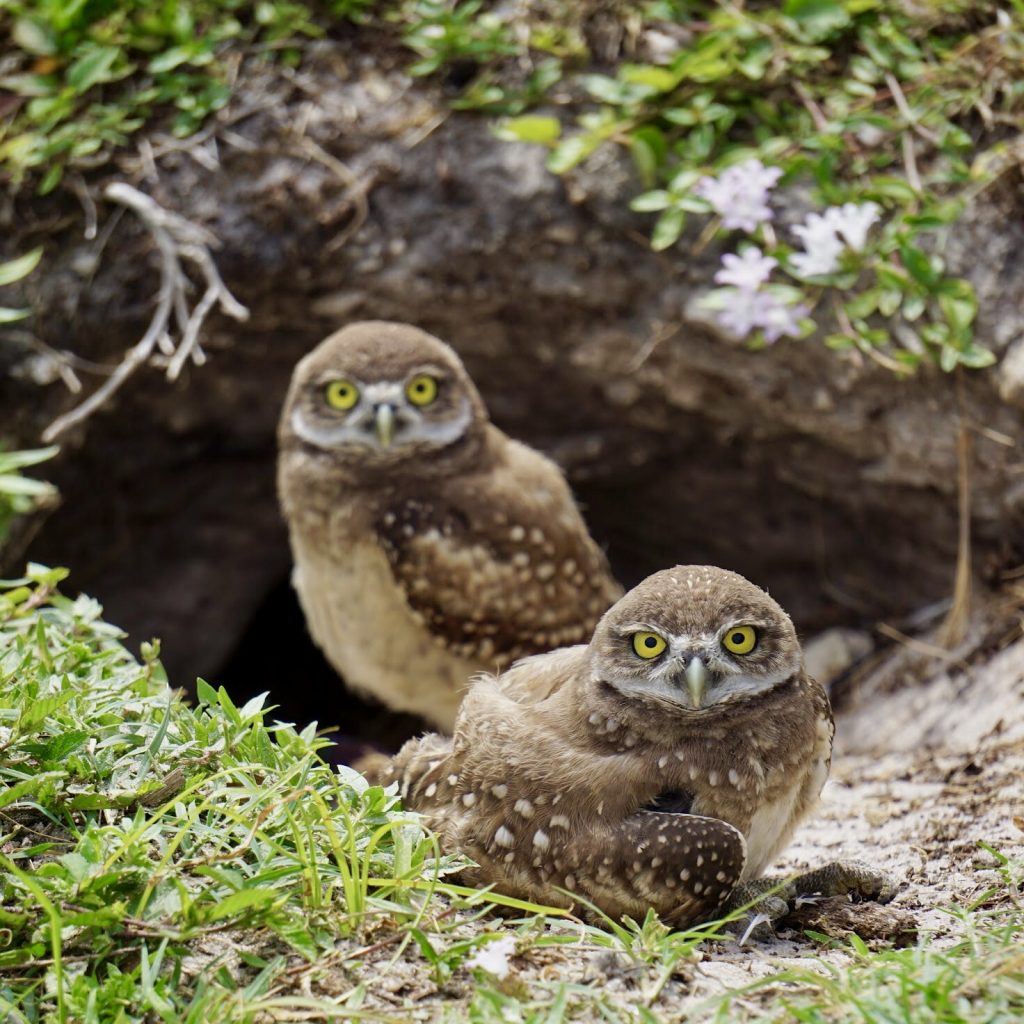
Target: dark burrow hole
304	688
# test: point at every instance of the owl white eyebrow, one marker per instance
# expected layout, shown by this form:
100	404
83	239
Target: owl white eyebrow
382	391
739	623
321	437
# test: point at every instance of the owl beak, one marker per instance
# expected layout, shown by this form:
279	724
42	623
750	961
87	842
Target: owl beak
384	424
696	681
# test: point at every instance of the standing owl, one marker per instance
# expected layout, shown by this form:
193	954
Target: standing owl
428	545
662	765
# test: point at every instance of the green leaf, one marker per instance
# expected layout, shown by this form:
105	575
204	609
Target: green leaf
10	484
681	115
30	85
891	276
817	18
34	37
606	89
530	128
755	61
889	300
51	179
239	902
570	152
37	713
839	342
918	265
648	149
668	228
93	68
700	142
913	307
30	457
205	693
959	312
15	270
175	56
976	357
59	747
889	187
651	202
863	305
656	78
9	794
706	62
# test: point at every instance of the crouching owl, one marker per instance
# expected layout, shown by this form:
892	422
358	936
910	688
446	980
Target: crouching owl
661	766
428	545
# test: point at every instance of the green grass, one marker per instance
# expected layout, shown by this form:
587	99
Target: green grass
135	827
980	977
162	862
21	495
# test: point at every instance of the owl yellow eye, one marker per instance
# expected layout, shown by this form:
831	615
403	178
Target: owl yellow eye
341	394
648	645
740	639
422	389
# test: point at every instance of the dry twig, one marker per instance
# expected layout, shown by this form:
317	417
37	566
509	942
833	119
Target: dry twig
954	628
176	239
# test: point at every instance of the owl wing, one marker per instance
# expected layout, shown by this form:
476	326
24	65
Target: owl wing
500	565
683	865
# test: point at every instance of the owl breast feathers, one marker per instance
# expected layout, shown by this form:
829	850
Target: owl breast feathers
428	546
657	767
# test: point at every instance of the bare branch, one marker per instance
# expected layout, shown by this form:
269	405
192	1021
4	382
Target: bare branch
176	239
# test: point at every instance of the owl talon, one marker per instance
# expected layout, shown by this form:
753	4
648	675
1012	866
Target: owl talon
851	878
759	921
764	908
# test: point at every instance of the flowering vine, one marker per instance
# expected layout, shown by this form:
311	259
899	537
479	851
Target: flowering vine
748	303
897	122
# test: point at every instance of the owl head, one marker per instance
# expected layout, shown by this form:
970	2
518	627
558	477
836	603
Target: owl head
376	394
695	637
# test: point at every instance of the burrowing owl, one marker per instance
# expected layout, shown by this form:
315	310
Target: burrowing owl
660	766
428	545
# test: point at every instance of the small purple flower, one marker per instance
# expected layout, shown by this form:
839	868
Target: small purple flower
744	312
748	271
739	195
748	311
853	222
823	258
778	319
821	233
